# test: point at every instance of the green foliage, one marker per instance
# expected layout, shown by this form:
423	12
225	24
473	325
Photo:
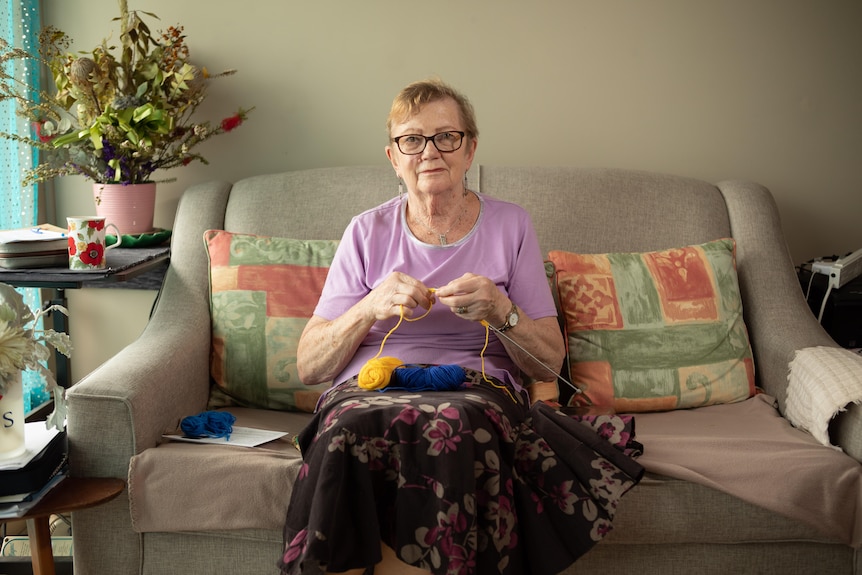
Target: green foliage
116	114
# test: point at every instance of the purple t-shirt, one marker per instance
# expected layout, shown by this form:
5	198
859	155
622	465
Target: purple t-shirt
501	246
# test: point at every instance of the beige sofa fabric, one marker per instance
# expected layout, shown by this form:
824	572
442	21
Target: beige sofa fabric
745	449
187	487
749	451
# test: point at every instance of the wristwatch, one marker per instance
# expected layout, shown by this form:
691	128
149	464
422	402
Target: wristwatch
511	319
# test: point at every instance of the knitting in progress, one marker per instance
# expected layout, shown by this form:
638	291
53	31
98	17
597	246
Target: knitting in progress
382	373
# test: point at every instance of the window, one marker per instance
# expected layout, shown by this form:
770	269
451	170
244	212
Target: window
20	22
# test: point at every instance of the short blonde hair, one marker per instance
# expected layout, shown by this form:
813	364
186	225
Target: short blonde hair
415	95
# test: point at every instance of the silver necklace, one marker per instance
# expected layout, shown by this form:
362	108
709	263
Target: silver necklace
442	237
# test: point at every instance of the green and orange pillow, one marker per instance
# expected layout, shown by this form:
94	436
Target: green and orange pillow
263	291
655	331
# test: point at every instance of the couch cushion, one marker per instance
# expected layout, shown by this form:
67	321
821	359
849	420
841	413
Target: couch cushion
656	331
749	451
180	486
262	292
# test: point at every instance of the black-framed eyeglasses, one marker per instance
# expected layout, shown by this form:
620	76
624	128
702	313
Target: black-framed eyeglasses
412	144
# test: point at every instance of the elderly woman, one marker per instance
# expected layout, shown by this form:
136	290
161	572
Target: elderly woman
467	478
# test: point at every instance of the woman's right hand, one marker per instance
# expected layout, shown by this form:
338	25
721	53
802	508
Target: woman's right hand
397	290
326	347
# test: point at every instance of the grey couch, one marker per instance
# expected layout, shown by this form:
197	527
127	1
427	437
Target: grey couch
664	525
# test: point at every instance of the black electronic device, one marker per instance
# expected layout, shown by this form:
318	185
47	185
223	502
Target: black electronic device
839	310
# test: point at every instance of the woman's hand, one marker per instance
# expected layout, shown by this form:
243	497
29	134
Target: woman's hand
397	290
326	347
475	298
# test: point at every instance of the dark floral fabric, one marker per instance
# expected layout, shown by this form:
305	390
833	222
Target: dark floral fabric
456	482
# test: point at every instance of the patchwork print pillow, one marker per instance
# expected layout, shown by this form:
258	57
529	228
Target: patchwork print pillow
656	331
263	291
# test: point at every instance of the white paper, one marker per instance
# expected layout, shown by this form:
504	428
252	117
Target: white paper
241	437
37	234
36	438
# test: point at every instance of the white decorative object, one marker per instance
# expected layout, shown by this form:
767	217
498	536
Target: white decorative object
12	418
24	346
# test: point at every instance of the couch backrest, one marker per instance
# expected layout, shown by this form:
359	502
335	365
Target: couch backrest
574	209
307	204
584	210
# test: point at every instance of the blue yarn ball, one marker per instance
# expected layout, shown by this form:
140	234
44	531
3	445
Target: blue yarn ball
208	424
430	378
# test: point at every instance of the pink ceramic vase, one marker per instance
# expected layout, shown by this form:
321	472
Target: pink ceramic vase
128	207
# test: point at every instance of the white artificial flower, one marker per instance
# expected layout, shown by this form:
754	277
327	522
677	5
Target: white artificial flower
22	348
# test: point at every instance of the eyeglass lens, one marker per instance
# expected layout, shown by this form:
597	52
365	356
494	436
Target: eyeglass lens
415	143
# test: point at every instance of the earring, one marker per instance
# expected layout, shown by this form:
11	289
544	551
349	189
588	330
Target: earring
400	187
466	190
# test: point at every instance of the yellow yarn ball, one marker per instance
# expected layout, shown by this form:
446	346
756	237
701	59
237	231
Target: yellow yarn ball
377	372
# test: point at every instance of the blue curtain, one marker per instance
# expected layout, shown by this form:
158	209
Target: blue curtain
20	22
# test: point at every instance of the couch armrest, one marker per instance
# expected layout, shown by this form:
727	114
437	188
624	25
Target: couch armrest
779	320
846	431
125	405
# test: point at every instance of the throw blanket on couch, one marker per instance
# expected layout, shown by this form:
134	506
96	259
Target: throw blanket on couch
748	450
821	383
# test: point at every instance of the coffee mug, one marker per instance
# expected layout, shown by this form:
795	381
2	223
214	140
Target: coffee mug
87	245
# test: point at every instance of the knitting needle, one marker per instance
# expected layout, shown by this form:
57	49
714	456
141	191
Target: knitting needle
577	390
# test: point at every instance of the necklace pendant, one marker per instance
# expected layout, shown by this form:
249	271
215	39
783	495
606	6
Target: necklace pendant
442	239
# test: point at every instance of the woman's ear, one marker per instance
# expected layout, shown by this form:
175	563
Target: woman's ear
393	159
471	151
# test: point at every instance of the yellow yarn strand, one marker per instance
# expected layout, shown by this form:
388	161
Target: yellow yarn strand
482	355
401	318
377	372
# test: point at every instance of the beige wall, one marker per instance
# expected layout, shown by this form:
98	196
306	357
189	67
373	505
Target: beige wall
767	90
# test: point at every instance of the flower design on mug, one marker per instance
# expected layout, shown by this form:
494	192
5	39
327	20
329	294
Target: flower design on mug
96	224
73	247
93	254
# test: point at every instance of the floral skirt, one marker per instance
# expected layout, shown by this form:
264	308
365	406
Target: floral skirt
472	481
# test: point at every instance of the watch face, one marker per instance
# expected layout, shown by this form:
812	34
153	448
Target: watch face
513	319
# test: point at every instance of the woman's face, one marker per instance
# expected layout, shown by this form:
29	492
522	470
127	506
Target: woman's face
432	171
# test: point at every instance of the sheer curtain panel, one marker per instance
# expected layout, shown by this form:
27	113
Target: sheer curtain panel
20	22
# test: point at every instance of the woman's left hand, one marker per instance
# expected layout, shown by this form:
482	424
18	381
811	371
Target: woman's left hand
477	298
474	297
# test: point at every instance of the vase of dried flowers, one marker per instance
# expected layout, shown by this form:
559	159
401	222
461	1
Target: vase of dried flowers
12	417
116	114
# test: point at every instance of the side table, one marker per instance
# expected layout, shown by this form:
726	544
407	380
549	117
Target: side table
72	494
123	264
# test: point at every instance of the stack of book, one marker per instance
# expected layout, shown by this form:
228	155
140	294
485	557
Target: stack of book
25	479
36	247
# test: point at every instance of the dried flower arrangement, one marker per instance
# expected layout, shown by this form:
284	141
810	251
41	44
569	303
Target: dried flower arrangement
114	118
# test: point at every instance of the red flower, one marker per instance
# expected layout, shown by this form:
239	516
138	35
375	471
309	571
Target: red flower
229	124
42	137
96	224
93	255
73	248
